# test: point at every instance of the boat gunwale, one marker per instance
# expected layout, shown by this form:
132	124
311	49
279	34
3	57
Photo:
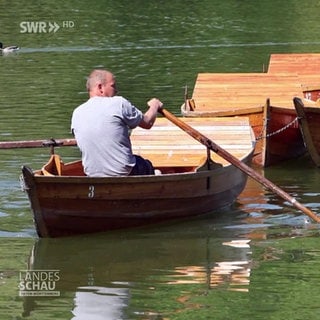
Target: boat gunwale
118	179
198	172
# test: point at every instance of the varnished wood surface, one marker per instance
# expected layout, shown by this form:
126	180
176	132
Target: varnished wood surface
287	77
167	145
301	63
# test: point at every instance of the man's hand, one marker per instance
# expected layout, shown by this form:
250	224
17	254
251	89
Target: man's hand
155	103
150	116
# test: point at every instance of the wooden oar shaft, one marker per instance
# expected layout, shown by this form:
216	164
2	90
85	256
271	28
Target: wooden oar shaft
237	163
36	143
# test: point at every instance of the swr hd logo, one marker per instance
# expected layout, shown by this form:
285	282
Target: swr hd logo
43	26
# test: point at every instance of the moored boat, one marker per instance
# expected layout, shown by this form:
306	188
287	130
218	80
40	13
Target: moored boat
193	181
245	94
309	119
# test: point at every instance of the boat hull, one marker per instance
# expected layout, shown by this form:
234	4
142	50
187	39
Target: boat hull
278	137
70	205
309	119
282	139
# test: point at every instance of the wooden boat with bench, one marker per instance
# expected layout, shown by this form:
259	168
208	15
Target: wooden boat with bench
193	181
266	98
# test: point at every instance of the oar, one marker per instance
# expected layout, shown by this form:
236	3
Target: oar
37	143
237	163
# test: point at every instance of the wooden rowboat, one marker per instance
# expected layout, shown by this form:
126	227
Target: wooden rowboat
309	119
266	98
66	202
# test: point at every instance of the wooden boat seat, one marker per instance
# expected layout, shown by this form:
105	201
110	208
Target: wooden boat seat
53	166
172	150
56	167
166	145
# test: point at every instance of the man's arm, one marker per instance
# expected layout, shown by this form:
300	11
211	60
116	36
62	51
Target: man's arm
151	114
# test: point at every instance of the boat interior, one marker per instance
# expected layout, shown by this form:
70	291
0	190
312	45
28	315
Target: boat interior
172	150
56	167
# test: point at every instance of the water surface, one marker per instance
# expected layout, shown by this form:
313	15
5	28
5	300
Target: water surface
256	260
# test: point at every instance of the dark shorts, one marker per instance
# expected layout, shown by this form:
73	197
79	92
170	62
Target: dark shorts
142	167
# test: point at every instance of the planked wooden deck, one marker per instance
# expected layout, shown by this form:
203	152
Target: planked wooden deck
295	63
287	76
166	144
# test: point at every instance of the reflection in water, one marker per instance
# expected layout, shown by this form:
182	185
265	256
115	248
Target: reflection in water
110	277
235	272
264	209
232	275
166	276
99	303
164	270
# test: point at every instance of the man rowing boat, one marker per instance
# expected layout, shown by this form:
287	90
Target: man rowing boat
101	127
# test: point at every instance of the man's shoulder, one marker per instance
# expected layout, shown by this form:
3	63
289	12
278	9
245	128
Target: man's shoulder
115	102
106	100
121	99
82	105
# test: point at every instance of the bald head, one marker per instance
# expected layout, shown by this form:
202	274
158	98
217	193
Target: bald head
101	83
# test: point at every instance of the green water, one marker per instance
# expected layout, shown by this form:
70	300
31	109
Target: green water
188	270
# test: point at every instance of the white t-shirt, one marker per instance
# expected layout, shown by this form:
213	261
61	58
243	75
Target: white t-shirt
101	128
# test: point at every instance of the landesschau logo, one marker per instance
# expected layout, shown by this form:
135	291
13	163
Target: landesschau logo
43	26
38	283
